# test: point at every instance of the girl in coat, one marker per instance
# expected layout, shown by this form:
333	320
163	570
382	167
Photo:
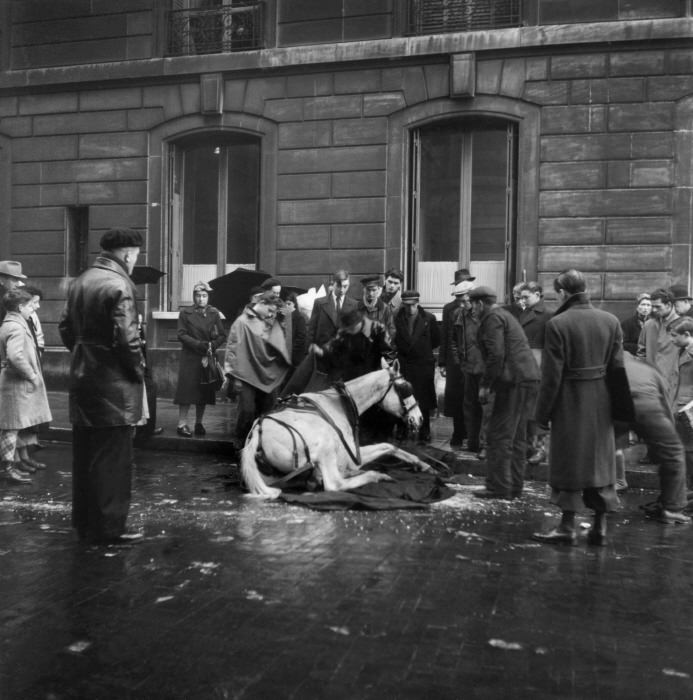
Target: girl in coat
200	332
24	404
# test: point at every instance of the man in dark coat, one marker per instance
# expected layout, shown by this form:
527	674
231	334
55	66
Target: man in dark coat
417	337
511	374
392	291
633	325
454	381
533	320
324	319
583	389
682	300
100	327
372	306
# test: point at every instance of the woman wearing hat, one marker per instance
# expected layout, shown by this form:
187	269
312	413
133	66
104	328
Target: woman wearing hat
200	331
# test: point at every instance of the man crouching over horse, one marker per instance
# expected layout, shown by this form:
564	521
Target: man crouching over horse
320	430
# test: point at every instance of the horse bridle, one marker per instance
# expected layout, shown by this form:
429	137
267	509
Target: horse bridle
404	390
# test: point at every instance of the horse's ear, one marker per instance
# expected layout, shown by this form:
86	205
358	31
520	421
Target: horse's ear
395	366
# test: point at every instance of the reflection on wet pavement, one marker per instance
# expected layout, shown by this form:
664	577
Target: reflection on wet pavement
232	597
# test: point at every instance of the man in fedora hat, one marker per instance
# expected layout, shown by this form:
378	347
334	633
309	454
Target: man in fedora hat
682	300
450	369
11	277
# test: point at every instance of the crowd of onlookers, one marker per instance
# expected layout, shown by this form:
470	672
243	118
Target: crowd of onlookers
518	377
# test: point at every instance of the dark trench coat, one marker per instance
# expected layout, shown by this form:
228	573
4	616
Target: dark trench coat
583	386
415	353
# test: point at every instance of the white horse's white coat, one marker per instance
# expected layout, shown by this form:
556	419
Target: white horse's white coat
327	452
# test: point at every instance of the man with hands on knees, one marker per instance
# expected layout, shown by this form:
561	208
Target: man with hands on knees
511	374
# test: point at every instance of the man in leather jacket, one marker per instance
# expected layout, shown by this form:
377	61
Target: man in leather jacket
100	328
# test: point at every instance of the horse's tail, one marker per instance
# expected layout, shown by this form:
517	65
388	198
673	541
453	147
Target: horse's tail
249	471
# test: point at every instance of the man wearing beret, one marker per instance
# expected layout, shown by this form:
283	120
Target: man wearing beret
100	328
372	306
417	337
511	374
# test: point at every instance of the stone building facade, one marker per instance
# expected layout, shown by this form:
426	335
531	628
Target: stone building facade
302	136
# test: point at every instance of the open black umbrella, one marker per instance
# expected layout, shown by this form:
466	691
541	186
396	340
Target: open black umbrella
231	292
289	290
146	274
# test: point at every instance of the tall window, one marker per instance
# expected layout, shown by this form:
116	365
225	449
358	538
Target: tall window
463	205
77	225
215	198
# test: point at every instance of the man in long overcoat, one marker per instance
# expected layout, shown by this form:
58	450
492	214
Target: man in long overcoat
510	380
417	337
100	327
583	389
454	380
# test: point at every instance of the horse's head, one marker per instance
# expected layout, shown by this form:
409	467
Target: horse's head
399	399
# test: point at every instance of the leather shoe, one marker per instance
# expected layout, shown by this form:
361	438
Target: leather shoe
125	538
493	495
674	517
184	431
23	466
200	429
14	475
157	431
482	454
596	538
33	463
556	536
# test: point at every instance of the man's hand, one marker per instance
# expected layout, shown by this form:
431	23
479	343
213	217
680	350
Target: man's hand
442	371
316	350
484	394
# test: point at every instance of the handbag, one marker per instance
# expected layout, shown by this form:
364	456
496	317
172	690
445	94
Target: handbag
212	374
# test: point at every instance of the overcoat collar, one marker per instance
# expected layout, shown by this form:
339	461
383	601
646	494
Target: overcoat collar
107	261
579	299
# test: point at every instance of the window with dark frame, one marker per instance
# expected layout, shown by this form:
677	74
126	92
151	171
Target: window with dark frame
445	16
77	229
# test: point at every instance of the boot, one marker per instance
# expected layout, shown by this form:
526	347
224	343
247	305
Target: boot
597	535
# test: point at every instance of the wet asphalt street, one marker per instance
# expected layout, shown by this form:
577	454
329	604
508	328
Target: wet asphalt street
228	597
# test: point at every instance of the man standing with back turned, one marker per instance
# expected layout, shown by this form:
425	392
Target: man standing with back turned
583	389
99	326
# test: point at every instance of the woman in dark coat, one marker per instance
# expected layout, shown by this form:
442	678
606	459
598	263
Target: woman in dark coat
417	336
200	331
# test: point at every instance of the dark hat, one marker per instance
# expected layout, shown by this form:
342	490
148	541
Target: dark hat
121	238
410	296
679	292
271	282
394	272
462	276
372	281
350	317
257	289
483	292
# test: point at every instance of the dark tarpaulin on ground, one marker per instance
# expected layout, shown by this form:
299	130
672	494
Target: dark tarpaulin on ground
409	489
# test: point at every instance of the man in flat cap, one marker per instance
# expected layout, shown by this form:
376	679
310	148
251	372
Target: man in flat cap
372	306
100	328
417	337
454	381
511	374
11	277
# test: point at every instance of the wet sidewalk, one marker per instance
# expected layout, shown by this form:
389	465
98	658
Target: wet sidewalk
232	597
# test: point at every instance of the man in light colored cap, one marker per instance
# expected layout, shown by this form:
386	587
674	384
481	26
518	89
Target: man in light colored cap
453	404
511	375
372	306
11	277
417	337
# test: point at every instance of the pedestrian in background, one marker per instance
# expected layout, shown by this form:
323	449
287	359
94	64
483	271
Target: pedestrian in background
24	404
200	332
510	381
633	325
417	337
11	277
453	404
681	332
583	389
682	299
34	321
392	290
100	328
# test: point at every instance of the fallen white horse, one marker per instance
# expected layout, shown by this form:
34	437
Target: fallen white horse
316	430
